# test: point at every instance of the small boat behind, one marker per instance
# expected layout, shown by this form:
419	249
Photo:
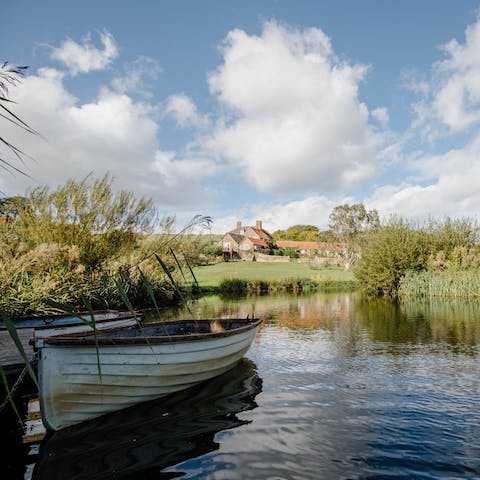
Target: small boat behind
84	376
44	322
63	323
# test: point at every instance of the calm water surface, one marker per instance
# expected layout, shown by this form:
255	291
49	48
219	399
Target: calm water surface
333	387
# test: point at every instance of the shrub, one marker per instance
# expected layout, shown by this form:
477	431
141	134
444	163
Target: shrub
389	252
233	287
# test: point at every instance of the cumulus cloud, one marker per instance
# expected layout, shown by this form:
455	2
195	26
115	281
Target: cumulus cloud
184	111
457	100
444	183
381	116
450	99
311	210
135	76
85	57
295	120
449	186
113	133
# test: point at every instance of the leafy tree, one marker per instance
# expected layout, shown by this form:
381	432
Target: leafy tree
348	223
389	252
449	234
327	236
297	232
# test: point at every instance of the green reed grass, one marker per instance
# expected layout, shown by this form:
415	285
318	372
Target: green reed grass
442	284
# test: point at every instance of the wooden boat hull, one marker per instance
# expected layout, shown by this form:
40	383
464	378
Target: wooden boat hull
81	378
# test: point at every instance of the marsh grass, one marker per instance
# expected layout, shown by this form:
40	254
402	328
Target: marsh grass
241	287
442	284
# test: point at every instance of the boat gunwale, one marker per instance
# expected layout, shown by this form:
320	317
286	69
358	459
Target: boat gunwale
102	338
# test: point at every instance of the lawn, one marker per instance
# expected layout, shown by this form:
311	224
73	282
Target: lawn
212	275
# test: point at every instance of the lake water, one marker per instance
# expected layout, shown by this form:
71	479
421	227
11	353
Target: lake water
333	387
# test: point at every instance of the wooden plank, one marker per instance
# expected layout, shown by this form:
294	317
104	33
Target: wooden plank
33	412
34	431
34	428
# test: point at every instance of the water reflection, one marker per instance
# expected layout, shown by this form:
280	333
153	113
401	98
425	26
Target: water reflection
143	440
351	388
354	317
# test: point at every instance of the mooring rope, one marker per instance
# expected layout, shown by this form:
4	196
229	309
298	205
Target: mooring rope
15	386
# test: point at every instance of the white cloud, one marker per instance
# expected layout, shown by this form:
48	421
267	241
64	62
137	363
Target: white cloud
295	121
85	57
184	111
112	134
444	183
312	210
450	100
136	73
450	187
457	101
381	116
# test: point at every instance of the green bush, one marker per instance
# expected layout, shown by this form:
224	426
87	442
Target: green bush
389	253
233	287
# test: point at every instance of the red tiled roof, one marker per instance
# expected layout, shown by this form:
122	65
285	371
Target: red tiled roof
324	246
237	238
257	241
261	233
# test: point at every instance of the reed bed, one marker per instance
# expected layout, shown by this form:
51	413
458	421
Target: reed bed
442	284
238	287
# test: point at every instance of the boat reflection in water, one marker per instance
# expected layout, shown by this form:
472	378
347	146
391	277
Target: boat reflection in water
142	440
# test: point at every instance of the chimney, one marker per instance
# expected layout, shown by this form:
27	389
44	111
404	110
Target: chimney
239	225
259	224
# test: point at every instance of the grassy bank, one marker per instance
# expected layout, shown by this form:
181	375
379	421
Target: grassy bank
259	277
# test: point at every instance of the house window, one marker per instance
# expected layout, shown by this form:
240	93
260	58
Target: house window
246	247
226	245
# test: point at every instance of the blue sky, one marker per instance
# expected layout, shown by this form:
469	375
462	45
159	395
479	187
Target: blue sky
272	110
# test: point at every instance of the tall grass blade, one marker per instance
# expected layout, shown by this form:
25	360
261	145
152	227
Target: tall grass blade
149	288
174	283
124	296
178	265
129	305
89	308
191	271
13	333
9	395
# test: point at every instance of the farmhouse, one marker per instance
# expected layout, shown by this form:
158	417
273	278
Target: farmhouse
244	241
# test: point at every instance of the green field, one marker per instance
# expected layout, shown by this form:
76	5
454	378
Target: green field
212	275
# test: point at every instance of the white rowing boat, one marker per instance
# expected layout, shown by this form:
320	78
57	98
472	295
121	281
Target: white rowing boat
83	376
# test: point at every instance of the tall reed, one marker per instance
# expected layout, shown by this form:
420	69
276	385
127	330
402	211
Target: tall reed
442	284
